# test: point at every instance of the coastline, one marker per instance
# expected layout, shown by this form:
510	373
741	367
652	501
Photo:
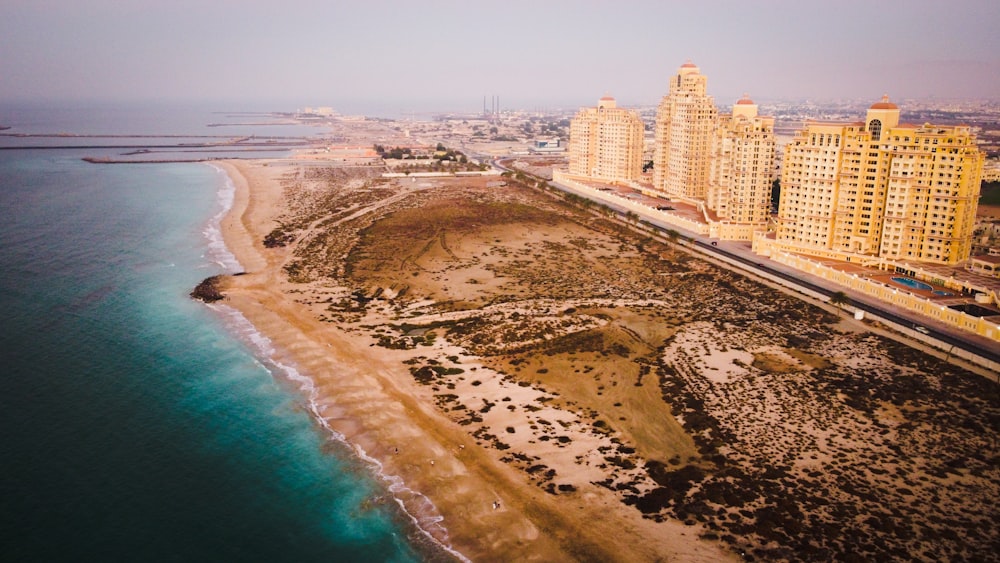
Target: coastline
458	492
239	240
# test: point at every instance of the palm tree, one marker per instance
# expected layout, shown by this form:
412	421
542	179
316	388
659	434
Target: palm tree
839	299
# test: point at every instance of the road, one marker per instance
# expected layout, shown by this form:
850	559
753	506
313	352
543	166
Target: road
911	321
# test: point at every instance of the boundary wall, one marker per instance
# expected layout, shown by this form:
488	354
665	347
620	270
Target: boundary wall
696	227
891	295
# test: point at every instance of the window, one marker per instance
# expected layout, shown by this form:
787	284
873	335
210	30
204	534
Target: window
875	128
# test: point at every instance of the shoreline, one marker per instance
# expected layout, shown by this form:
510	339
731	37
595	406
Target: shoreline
612	418
463	496
263	348
235	204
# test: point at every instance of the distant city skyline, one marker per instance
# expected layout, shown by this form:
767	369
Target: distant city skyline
443	55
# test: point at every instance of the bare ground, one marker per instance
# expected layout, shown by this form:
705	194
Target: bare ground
593	361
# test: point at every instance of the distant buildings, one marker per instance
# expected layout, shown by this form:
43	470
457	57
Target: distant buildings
874	189
878	188
991	172
721	164
322	111
551	145
605	143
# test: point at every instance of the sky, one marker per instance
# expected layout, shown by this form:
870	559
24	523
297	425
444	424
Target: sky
437	55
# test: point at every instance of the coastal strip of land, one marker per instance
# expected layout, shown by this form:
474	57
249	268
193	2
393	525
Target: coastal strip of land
536	381
483	508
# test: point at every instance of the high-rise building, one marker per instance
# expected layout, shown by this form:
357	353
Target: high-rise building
605	142
880	188
722	163
685	124
741	160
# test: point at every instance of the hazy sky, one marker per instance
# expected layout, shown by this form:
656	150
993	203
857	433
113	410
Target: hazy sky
443	54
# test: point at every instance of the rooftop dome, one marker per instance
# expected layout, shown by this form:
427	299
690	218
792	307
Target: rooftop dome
884	104
688	68
607	102
745	101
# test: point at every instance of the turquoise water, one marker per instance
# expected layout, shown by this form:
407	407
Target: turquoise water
140	425
910	282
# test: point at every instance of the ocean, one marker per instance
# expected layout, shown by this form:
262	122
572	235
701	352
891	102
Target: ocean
138	424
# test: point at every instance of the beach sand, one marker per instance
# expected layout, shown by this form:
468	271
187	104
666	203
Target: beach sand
538	383
488	511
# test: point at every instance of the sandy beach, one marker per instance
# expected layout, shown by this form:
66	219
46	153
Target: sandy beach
539	386
487	510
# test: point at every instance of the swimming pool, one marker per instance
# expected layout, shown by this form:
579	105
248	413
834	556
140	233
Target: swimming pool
910	282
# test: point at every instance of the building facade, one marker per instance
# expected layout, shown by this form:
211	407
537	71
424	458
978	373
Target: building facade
686	120
880	188
720	162
742	156
605	142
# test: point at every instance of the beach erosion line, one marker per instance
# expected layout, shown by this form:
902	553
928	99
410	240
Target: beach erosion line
421	511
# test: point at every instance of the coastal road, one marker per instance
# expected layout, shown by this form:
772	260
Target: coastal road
904	320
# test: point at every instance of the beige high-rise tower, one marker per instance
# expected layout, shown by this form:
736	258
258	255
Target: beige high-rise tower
722	163
605	142
880	188
685	124
739	191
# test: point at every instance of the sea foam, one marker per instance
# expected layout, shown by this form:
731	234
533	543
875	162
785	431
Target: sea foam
415	505
217	250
